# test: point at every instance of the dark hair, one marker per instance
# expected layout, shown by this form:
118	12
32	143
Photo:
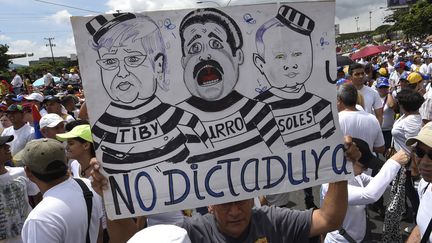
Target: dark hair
353	66
347	94
57	169
410	100
81	140
212	15
69	126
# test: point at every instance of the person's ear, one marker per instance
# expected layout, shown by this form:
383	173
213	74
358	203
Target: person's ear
28	173
259	62
159	63
210	209
239	56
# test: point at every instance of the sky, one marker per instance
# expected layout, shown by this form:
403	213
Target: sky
25	24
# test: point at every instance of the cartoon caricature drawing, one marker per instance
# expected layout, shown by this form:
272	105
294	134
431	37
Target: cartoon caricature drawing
137	128
286	62
211	44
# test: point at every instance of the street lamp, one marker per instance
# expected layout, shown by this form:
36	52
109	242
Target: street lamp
217	3
357	19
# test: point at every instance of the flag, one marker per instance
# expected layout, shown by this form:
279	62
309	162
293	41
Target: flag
36	118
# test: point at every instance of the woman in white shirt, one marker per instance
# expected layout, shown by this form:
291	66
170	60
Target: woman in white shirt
363	190
408	126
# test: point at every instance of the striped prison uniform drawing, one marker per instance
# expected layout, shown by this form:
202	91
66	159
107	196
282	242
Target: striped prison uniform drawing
234	123
301	118
147	134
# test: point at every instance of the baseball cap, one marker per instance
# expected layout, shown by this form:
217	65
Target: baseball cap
400	65
15	107
414	78
50	120
404	76
424	136
19	98
382	71
35	96
161	233
382	82
51	98
45	156
367	158
342	81
6	139
81	131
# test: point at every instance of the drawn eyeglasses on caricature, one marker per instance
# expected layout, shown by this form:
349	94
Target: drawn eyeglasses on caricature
110	64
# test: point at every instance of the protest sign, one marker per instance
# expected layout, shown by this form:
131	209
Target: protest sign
204	106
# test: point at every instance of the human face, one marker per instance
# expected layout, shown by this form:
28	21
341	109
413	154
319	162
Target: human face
127	73
16	117
53	107
288	60
5	153
75	149
383	91
233	218
51	132
5	122
210	69
357	76
425	162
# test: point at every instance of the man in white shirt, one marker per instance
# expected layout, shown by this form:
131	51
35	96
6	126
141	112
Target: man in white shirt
62	214
14	199
16	82
48	79
399	68
372	100
20	129
357	123
53	105
423	157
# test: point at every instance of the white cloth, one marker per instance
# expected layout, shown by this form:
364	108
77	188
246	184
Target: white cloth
388	115
372	100
16	81
405	127
62	216
161	234
48	79
21	137
75	168
362	190
423	69
394	78
174	218
15	188
362	125
424	213
429	69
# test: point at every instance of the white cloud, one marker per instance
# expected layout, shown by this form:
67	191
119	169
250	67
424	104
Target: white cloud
61	17
148	5
4	38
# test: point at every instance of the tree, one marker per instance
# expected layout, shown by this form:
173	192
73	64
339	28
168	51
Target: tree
415	21
4	58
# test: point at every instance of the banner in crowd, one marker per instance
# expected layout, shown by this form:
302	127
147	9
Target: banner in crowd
205	106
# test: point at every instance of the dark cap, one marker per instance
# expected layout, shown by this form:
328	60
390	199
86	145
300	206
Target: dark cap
367	158
295	20
51	98
100	24
45	156
6	139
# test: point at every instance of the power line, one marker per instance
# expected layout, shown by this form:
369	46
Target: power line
67	6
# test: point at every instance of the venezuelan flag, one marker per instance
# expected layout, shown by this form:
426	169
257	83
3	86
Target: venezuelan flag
36	118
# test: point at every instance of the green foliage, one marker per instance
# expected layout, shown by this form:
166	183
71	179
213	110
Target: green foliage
4	58
415	21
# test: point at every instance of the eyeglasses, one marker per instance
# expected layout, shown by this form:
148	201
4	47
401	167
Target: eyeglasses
110	64
421	153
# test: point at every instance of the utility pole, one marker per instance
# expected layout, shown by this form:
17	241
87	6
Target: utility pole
370	20
357	19
51	45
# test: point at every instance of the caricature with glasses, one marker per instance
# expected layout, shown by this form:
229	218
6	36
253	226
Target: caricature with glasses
137	128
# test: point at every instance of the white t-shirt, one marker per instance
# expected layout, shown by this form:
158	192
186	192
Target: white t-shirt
362	125
405	127
174	217
75	168
21	137
424	213
61	216
372	100
48	79
362	190
423	69
15	188
388	115
16	81
394	78
429	69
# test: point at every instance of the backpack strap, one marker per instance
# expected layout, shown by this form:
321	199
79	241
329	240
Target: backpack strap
345	234
88	195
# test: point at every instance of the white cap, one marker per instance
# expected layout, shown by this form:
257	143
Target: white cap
161	233
50	120
35	96
401	51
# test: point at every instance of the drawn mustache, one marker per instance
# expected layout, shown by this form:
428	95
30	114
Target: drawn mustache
204	63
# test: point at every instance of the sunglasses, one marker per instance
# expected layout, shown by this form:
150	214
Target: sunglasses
421	153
